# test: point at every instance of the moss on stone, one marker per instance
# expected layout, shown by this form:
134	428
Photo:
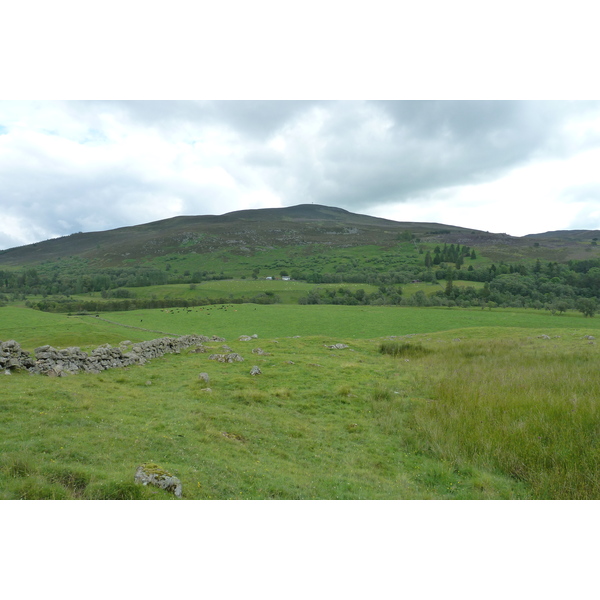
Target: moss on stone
151	468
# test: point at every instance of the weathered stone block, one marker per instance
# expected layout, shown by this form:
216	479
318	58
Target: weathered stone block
152	474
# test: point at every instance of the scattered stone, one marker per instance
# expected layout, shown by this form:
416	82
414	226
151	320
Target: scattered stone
589	337
260	352
206	390
244	338
337	346
205	377
151	473
543	337
227	348
228	358
255	370
7	372
290	362
148	382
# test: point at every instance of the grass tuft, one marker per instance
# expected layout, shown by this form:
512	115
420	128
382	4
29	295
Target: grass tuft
116	491
18	465
403	349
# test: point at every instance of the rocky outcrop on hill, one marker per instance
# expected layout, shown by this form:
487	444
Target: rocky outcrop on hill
60	362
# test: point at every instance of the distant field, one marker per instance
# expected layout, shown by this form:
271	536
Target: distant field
33	328
288	291
356	322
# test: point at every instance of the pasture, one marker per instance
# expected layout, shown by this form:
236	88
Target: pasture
475	404
287	291
348	322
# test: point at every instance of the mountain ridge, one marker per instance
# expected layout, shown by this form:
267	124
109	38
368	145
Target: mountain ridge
248	231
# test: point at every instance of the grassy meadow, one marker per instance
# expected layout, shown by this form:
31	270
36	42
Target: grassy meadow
286	292
425	403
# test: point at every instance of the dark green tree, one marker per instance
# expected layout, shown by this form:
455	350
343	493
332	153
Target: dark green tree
587	306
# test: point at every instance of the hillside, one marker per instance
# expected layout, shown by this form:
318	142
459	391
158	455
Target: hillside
298	228
242	232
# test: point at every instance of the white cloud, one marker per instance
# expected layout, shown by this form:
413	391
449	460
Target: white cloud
510	166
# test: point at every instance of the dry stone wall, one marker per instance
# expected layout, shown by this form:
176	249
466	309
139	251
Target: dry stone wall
66	361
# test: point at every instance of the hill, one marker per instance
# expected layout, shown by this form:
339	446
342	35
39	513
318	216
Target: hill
244	233
303	239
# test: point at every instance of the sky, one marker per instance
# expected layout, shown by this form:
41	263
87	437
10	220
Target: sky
513	167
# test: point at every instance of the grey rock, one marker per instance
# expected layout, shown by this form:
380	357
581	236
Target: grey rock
255	370
55	362
152	474
205	377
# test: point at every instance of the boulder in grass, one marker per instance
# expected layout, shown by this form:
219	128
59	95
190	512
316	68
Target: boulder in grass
260	352
151	473
255	370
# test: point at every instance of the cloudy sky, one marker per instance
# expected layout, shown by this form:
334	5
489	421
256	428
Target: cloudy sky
504	166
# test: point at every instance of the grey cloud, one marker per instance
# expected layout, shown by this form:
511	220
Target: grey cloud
254	119
424	147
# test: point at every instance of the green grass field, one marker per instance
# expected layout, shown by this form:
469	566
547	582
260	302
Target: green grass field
349	322
474	404
288	291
